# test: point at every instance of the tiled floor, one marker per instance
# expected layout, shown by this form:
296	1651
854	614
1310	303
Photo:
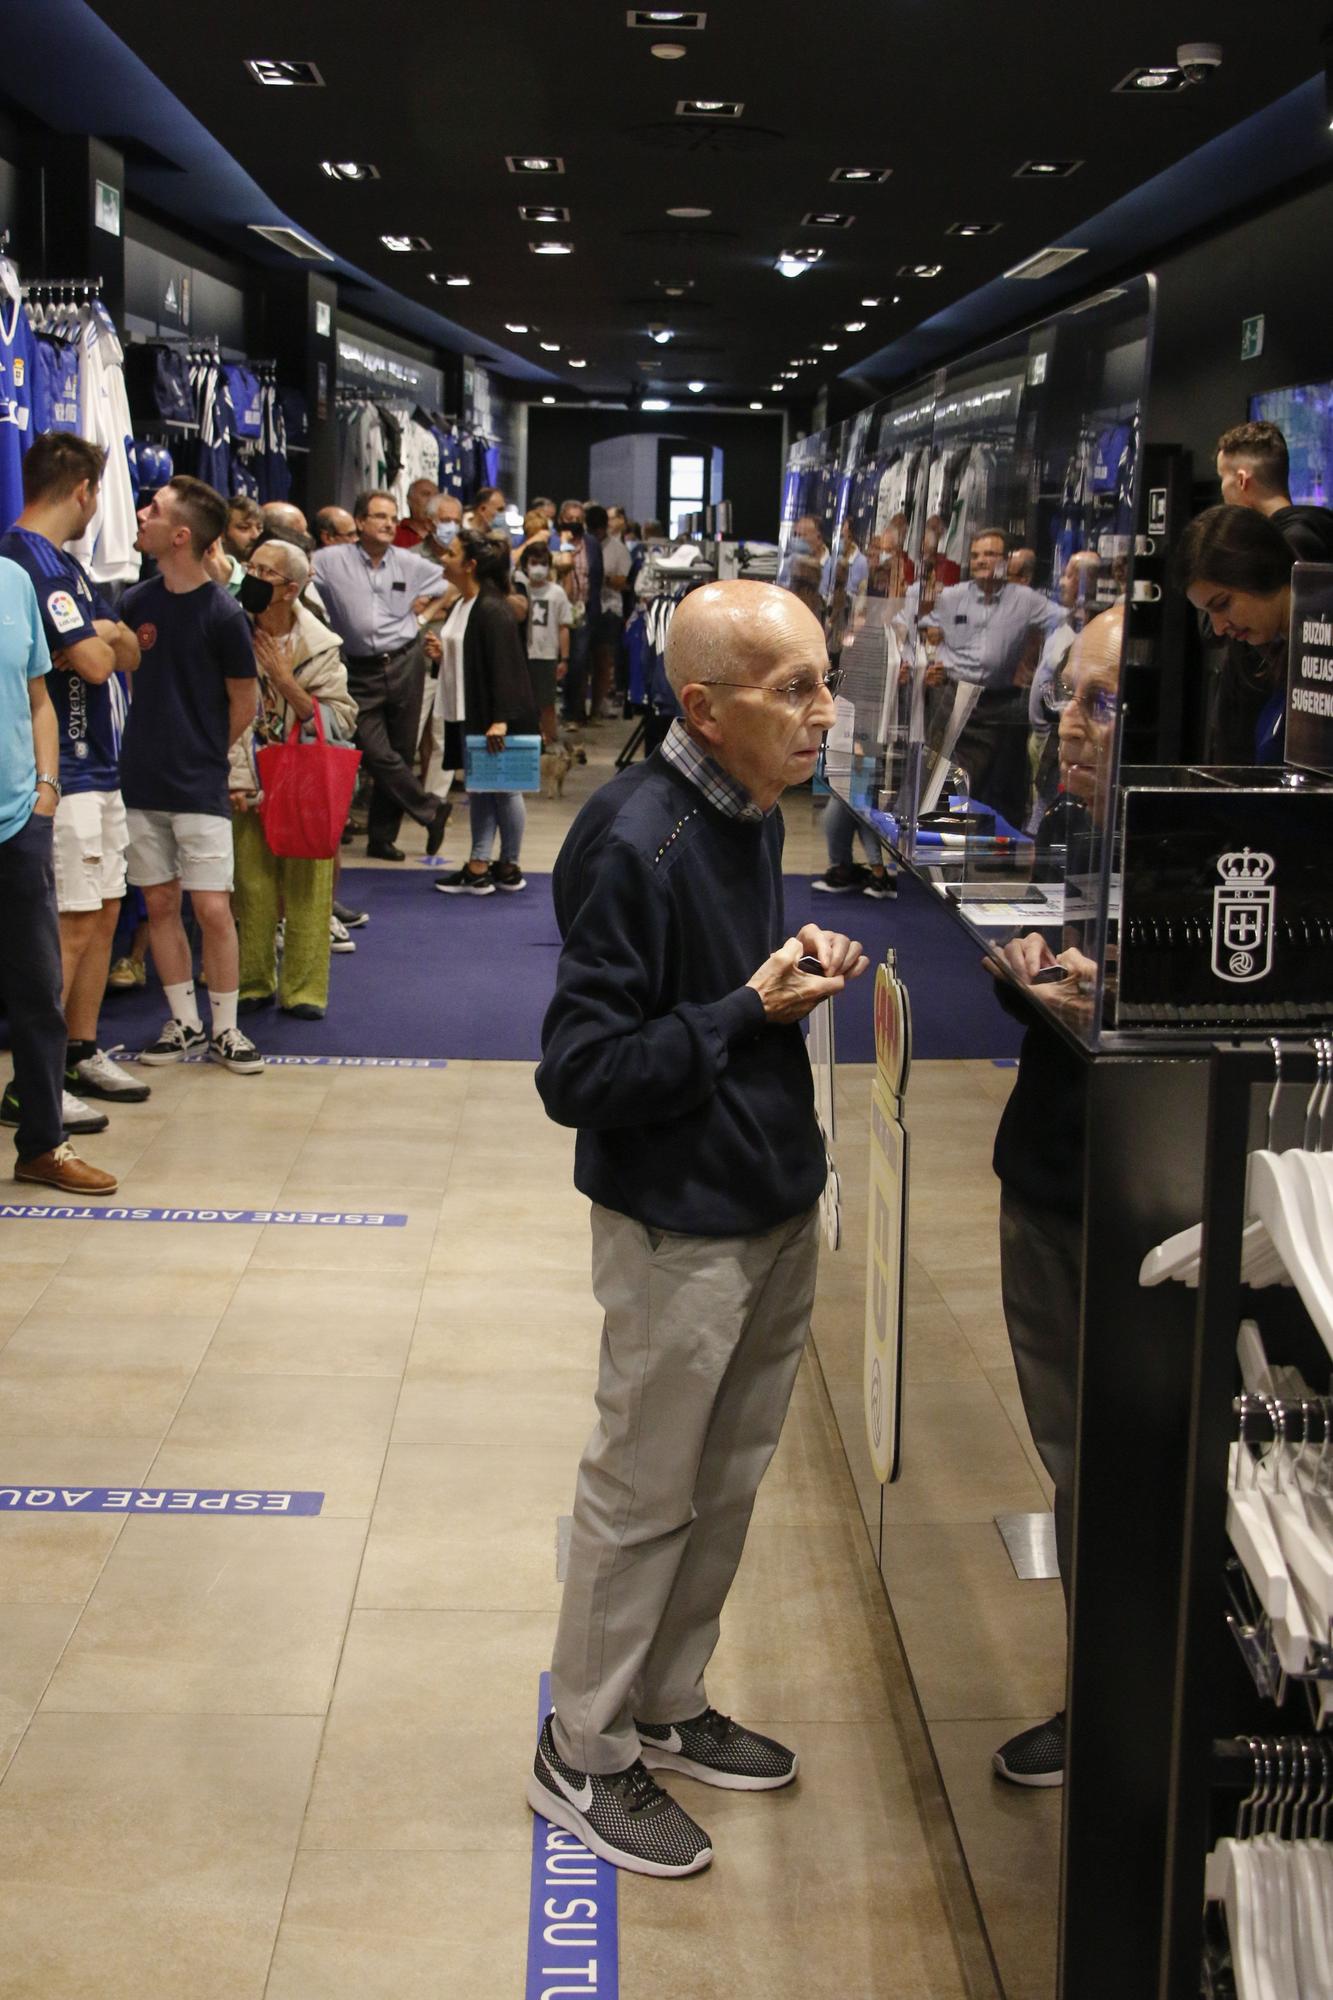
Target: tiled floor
285	1757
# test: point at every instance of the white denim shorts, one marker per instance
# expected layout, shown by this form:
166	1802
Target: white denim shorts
90	837
192	848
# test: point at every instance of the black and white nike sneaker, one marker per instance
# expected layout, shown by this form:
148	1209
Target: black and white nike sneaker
717	1751
626	1818
1034	1757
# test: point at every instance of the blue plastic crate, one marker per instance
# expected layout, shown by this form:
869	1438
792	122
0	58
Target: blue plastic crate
516	768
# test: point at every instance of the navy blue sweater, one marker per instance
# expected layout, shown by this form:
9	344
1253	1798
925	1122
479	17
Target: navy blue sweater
693	1113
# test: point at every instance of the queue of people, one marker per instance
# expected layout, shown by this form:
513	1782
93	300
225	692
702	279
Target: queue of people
129	776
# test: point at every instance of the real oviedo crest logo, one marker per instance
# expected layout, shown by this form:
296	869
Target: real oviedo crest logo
1244	903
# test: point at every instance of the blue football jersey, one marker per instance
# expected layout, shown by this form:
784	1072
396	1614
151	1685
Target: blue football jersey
18	357
85	714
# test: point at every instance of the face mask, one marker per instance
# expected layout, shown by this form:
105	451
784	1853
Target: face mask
574	528
799	546
445	532
256	594
538	572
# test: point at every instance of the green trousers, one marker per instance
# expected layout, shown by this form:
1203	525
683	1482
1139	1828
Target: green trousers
267	887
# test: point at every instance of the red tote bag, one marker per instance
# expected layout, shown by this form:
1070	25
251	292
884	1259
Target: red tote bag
307	791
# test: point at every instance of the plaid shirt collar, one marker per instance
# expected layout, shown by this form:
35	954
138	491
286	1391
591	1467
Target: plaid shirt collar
718	786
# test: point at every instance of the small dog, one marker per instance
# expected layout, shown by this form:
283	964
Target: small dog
555	765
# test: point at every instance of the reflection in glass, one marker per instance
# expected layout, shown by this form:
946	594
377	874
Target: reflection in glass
967	545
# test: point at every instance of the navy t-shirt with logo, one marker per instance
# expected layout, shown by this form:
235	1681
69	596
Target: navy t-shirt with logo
87	715
174	757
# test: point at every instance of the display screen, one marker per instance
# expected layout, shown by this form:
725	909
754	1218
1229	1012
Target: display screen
1304	415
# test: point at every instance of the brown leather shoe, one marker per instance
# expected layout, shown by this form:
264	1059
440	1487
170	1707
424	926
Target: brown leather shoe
62	1168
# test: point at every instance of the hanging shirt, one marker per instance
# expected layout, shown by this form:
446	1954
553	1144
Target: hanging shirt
23	658
370	604
55	397
176	750
107	546
243	388
18	354
68	602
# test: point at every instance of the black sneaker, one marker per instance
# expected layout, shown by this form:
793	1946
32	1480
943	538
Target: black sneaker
175	1042
626	1818
880	888
1035	1756
435	828
845	880
507	875
717	1751
349	918
98	1075
236	1052
465	882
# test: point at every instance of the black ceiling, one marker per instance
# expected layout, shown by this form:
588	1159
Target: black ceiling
953	98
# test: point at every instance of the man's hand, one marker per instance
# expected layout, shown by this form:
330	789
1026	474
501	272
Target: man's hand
243	802
1025	957
432	647
840	956
789	995
44	805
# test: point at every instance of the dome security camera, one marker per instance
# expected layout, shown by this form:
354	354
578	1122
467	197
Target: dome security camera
1198	60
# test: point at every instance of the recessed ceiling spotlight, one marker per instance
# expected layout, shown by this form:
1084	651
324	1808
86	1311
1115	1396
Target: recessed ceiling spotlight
756	406
695	388
830	346
577	364
919	270
684	20
458	281
792	263
1164	78
854	326
872	302
550	346
1046	170
349	170
709	107
543	211
656	403
897	298
661	334
548	249
404	243
285	75
690	214
548	399
534	163
517	326
668	51
827	218
877	174
972	229
775	388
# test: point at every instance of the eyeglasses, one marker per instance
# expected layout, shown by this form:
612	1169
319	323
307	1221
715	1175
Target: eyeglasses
801	693
266	575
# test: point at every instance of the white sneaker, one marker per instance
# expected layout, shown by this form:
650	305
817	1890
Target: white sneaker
100	1076
76	1116
340	938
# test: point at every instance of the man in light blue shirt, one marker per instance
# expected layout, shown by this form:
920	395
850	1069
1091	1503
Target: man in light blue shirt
370	590
990	634
30	934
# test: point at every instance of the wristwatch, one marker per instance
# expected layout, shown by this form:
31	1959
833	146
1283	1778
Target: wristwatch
45	778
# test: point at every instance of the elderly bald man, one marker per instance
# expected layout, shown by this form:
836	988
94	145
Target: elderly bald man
673	1044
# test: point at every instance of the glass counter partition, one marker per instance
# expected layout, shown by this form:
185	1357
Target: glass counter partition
969	547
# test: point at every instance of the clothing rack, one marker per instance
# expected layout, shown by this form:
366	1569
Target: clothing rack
46	289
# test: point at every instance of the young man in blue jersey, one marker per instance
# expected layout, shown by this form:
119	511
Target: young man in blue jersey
88	646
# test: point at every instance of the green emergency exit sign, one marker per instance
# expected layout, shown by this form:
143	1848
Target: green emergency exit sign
1252	338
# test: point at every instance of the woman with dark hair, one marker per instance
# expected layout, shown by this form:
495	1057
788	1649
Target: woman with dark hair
1235	567
485	691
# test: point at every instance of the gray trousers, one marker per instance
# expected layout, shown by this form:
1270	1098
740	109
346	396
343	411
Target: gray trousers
700	1347
1041	1263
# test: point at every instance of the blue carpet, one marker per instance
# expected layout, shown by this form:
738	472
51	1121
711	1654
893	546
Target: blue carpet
469	977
